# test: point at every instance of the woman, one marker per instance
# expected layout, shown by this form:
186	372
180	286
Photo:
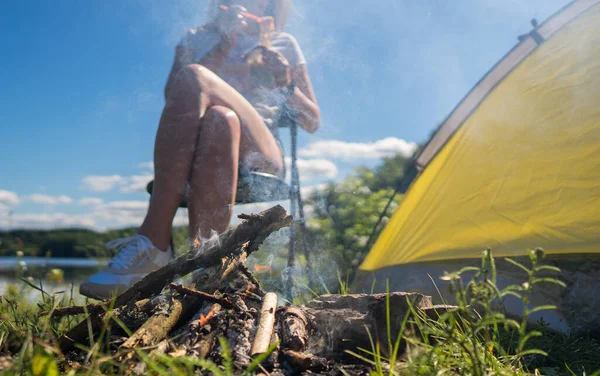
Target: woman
212	124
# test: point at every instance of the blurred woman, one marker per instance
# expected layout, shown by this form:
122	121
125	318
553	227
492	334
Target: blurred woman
214	121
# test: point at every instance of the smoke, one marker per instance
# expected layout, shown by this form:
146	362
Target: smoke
202	244
174	17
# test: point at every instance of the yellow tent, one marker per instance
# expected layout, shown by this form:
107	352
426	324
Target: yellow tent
516	165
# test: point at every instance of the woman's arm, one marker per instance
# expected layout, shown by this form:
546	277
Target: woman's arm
303	100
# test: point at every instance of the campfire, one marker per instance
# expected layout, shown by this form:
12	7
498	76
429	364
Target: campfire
224	315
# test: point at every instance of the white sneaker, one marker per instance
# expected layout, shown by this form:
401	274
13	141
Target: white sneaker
136	257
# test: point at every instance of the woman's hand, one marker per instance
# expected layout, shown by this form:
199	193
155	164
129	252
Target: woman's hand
278	65
230	22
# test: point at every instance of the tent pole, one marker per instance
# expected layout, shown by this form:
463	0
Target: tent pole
296	206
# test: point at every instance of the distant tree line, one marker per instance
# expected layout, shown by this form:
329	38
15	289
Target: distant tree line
66	242
343	216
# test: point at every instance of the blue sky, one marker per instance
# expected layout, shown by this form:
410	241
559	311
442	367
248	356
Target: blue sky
82	90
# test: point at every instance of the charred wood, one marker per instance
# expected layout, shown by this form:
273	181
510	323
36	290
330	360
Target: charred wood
294	333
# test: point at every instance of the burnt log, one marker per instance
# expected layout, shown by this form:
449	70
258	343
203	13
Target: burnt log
294	332
345	322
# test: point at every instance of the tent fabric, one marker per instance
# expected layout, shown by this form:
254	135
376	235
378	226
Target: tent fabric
523	169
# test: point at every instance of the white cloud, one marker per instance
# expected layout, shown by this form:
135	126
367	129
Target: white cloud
126	184
104	215
49	200
48	220
120	213
92	201
310	169
307	191
336	149
132	205
101	183
135	183
9	198
147	165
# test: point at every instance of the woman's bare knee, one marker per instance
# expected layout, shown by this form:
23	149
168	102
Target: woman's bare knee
189	82
221	122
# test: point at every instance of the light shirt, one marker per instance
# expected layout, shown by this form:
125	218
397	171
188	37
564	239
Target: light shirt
267	102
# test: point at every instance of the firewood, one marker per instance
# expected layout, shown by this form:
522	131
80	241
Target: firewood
158	326
224	275
201	295
239	331
252	232
304	362
257	289
129	314
265	326
205	344
255	229
80	332
194	335
161	348
293	324
272	360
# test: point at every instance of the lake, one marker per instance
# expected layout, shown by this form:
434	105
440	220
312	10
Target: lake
75	271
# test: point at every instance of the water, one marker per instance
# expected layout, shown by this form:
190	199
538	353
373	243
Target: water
75	271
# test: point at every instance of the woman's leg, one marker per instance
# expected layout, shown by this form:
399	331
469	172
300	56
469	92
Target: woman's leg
180	141
213	181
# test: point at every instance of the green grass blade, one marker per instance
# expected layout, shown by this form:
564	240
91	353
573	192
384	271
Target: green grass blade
518	264
531	352
361	357
549	280
227	357
260	359
543	308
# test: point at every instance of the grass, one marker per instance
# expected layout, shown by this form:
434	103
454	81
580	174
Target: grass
476	339
472	339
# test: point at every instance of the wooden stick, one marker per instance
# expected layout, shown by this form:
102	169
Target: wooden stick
274	356
293	329
224	302
225	273
158	327
80	332
304	362
206	342
265	326
143	305
71	311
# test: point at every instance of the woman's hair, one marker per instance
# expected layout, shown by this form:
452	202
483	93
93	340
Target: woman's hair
278	9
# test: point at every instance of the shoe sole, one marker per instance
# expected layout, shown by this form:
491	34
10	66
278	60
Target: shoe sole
87	291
